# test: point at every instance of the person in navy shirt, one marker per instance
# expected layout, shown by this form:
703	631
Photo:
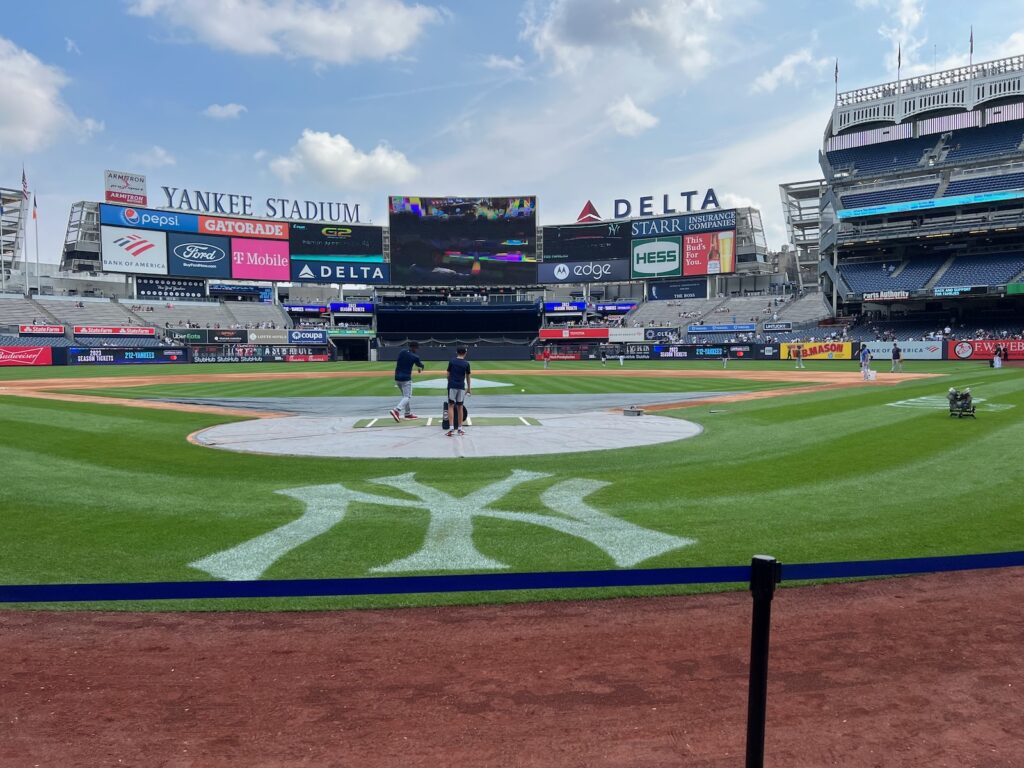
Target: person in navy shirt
407	358
865	361
460	384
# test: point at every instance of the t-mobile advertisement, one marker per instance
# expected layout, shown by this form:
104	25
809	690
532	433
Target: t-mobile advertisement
259	259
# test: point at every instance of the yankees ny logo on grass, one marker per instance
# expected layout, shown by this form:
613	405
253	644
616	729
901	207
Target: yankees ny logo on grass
448	545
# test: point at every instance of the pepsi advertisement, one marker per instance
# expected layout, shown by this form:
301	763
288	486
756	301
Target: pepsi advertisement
147	218
198	256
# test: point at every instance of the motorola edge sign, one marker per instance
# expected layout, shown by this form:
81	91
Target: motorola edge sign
583	271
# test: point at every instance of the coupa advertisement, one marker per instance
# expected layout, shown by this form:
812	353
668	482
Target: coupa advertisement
819	350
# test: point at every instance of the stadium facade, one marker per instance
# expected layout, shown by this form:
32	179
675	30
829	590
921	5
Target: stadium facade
921	211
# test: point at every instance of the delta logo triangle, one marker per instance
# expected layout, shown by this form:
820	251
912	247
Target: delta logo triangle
306	271
588	214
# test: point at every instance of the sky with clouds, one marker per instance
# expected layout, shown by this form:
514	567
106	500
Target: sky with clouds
352	100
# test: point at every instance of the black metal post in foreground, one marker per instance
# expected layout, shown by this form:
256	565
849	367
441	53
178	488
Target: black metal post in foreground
765	573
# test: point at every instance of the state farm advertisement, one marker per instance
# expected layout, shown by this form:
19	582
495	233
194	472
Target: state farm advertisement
113	330
41	330
600	334
709	253
985	349
25	356
259	259
271	230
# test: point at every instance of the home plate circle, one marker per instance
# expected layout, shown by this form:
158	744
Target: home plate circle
486	435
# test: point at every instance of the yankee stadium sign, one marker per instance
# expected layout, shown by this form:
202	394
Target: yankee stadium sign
229	204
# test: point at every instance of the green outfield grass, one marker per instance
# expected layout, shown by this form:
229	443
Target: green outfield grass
98	493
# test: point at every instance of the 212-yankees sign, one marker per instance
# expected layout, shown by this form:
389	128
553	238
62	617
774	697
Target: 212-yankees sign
448	544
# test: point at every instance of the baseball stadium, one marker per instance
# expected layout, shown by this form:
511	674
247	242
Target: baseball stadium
688	501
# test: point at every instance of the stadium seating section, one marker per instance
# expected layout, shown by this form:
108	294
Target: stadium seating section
34	341
255	313
886	196
117	341
988	269
883	158
179	314
91	312
984	184
908	276
17	310
972	143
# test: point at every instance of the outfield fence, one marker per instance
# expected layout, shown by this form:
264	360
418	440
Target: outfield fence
763	574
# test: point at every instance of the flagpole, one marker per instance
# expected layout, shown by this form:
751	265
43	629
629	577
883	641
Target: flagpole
35	215
3	267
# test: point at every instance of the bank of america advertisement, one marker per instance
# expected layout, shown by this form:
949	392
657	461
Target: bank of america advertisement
139	251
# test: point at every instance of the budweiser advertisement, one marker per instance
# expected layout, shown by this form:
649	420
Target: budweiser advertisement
26	356
41	330
113	330
598	334
985	349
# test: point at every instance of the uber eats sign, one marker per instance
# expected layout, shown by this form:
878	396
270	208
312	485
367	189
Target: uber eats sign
657	257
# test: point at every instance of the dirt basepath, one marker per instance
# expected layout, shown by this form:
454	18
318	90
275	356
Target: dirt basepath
51	389
923	671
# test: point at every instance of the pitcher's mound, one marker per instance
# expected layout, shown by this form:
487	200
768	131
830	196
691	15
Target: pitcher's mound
489	435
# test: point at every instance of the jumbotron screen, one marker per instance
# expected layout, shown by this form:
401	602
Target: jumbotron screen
463	240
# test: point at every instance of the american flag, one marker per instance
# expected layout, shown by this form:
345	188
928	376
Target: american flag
24	183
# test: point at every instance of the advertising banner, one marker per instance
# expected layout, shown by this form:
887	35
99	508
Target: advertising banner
188	335
350	332
305	309
709	253
582	271
170	288
353	241
113	330
119	356
710	352
320	270
985	349
660	333
723	328
228	336
685	288
621	308
253	353
40	330
138	251
353	308
558	355
779	325
266	230
656	257
604	241
259	259
147	218
911	350
565	306
625	334
198	256
819	350
597	334
307	336
307	358
267	336
708	221
11	356
125	188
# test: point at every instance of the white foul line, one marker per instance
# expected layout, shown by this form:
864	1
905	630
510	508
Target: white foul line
372	422
430	421
524	421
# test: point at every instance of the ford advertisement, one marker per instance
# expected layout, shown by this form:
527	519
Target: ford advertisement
200	256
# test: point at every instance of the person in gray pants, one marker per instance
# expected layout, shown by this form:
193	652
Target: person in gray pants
407	358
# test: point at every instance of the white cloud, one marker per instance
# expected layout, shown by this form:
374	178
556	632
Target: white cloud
628	119
905	17
32	112
788	71
501	63
154	157
326	31
332	160
225	111
573	34
71	46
